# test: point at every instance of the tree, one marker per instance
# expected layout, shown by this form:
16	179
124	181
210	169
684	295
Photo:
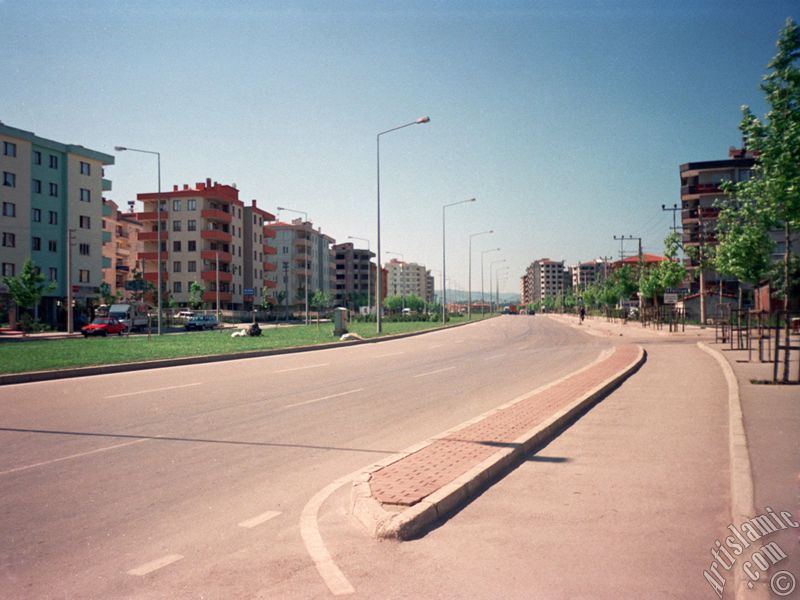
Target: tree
774	191
27	288
320	300
196	291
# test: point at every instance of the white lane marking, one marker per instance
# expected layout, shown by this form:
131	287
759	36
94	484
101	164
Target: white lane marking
435	346
71	456
495	356
323	398
301	368
331	574
262	518
172	387
434	372
390	354
155	565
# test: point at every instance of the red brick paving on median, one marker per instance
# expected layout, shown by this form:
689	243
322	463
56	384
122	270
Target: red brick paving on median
418	475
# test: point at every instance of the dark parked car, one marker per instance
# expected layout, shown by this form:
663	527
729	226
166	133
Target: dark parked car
201	322
103	326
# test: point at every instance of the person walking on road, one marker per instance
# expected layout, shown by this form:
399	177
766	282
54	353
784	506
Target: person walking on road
583	314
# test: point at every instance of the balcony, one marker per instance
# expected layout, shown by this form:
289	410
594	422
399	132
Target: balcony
268	266
216	235
151	216
216	215
212	297
106	184
268	283
269	232
224	276
695	214
270	249
153	277
151	256
700	188
151	236
224	257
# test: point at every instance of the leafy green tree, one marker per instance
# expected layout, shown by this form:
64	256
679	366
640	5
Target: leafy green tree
196	291
393	303
27	288
744	245
320	300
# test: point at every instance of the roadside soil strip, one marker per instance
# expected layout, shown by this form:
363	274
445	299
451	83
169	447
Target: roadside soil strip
429	482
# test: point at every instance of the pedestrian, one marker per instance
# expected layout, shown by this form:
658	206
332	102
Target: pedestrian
583	314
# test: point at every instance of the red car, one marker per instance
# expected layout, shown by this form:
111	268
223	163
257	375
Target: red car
103	326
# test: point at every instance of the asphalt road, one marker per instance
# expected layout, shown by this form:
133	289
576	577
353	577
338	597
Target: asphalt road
189	482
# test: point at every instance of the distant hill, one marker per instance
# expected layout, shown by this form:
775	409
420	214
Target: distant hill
461	296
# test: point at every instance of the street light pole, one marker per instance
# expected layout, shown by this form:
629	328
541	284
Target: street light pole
419	121
444	256
504	270
158	227
492	264
306	266
469	278
369	271
483	302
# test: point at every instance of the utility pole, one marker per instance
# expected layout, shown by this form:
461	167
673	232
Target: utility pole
605	260
70	242
674	210
286	289
622	240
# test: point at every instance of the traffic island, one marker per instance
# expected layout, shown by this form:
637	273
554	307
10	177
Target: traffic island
404	495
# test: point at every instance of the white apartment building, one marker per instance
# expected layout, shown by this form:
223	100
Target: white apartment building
406	279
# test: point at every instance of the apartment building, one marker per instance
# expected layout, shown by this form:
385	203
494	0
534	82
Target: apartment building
303	254
700	190
258	289
405	279
203	240
355	275
52	192
120	247
545	278
587	273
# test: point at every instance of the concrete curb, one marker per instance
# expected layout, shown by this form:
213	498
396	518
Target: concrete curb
742	492
31	376
415	520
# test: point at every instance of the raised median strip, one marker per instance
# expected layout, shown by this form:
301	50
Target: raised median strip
403	495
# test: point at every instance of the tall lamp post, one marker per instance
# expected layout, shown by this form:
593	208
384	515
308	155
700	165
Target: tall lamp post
306	266
158	228
492	264
484	253
469	284
419	121
504	271
444	256
369	271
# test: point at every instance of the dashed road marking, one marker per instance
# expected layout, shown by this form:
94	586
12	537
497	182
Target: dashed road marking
71	456
323	398
389	354
262	518
155	565
495	356
138	392
434	372
301	368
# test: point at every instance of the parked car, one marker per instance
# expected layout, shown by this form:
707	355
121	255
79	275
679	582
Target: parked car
102	326
201	322
184	315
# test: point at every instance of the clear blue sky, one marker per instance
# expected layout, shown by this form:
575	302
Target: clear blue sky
566	119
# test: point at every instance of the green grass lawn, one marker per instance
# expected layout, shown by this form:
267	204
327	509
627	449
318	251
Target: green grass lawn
19	357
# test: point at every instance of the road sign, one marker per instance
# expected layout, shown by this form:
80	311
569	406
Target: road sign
670	298
248	292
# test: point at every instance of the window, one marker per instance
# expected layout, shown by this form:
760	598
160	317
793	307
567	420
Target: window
54	190
191	204
176	266
192	246
53	161
8	269
37	157
52	246
9	240
176	287
176	226
9	149
176	205
191	225
52	273
85	222
36	215
86	195
36	243
9	179
37	186
53	217
9	209
83	275
84	249
176	246
86	168
191	266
